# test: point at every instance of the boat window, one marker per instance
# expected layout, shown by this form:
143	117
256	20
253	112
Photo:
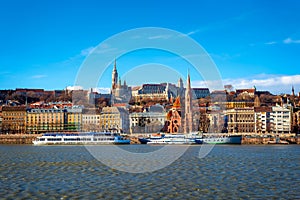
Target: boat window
54	139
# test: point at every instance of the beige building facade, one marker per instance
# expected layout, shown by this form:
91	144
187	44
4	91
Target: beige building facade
114	119
13	119
241	120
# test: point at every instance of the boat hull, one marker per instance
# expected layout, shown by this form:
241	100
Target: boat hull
74	143
192	139
176	139
171	142
144	140
121	140
80	139
232	139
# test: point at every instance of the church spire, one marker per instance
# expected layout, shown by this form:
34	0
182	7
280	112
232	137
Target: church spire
115	65
114	78
189	80
188	122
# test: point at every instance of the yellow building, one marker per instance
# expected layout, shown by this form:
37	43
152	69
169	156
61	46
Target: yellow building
45	120
13	119
233	104
236	104
73	119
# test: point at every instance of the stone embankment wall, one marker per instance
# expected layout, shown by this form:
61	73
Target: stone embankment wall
17	138
266	140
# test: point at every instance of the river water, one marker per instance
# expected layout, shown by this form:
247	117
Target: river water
227	172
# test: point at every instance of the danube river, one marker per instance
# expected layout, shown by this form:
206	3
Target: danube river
227	172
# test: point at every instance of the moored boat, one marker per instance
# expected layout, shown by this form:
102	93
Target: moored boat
170	139
192	138
144	140
121	140
224	139
93	138
151	138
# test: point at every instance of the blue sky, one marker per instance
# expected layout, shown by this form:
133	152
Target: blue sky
43	43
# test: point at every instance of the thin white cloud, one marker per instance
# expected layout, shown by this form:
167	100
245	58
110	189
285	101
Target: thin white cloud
224	23
106	48
102	90
271	43
155	37
38	76
135	37
103	48
276	84
87	51
271	81
192	32
224	56
291	41
74	88
285	41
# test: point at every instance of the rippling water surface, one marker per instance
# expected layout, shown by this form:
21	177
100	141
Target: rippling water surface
227	172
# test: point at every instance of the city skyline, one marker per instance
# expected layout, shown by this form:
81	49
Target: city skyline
253	44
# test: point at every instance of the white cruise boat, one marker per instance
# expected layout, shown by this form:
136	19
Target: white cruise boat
80	138
220	139
175	139
192	138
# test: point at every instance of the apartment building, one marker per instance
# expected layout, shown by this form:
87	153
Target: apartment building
13	119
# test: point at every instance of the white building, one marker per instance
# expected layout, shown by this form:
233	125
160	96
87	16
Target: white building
262	119
90	120
149	121
281	119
